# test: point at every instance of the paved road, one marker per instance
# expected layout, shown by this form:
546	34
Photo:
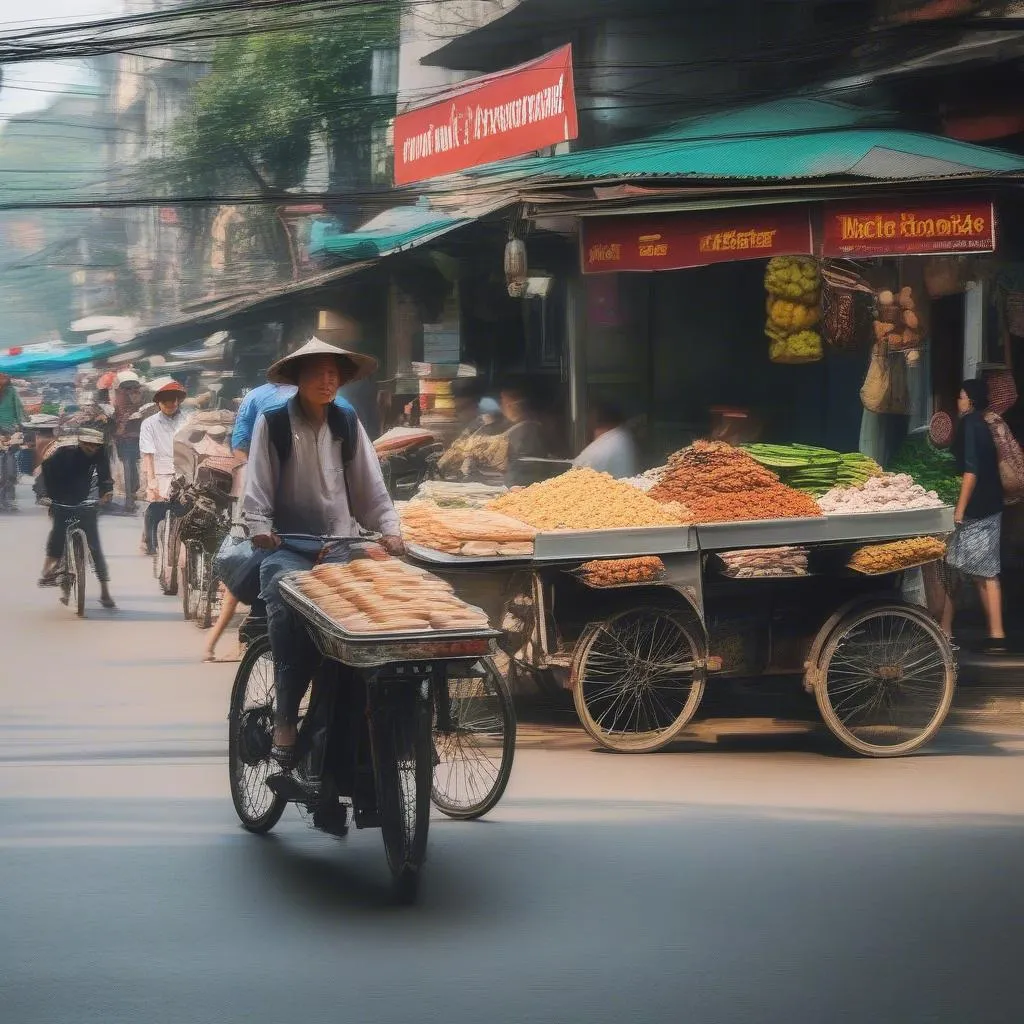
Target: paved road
768	880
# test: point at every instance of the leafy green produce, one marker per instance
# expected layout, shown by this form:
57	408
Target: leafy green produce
933	468
813	470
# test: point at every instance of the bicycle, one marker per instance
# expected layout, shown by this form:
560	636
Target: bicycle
205	522
70	572
381	712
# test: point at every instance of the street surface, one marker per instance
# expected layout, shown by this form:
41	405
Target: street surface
764	878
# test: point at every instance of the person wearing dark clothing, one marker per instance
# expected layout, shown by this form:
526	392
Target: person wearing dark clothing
128	401
68	475
525	435
974	550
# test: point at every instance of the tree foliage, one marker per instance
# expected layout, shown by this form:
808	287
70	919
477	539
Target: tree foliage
269	94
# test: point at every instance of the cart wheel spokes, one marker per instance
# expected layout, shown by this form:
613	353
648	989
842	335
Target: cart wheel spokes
474	741
250	737
636	679
887	680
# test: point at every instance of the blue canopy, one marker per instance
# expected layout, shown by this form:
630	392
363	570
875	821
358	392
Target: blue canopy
28	363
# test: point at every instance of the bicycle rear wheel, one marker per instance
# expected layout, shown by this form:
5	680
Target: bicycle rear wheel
400	728
77	569
474	741
191	582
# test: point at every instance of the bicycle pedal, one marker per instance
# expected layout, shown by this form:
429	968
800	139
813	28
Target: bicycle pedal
288	787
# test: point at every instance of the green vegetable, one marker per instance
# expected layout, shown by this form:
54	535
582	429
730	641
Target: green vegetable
933	468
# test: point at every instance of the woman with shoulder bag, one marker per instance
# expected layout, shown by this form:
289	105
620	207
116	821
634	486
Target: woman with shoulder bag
974	550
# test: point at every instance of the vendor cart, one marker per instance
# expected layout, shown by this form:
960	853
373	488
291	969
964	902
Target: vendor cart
637	657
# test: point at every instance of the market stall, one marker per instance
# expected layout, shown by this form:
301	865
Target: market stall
717	569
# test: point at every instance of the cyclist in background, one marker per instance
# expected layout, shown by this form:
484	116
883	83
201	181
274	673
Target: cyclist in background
67	475
156	444
12	414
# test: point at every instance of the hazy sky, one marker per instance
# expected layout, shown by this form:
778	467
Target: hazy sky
31	86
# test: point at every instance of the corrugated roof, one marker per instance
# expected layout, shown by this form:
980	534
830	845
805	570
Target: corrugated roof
391	231
788	140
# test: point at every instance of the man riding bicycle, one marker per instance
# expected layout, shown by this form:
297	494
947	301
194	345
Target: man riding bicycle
67	475
12	414
312	470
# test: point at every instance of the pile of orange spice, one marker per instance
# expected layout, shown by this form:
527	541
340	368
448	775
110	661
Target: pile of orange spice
721	484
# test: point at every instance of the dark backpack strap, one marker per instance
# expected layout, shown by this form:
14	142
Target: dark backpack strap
344	426
279	429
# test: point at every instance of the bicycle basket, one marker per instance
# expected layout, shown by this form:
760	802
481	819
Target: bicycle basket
202	524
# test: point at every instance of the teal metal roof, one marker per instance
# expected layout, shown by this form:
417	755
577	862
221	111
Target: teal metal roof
792	140
391	231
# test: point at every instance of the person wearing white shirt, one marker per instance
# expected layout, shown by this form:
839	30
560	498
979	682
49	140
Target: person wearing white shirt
312	471
613	450
156	445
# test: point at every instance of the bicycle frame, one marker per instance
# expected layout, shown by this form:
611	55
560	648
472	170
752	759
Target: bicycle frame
72	528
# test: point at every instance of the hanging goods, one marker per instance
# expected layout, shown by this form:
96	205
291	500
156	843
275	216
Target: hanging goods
1011	458
846	301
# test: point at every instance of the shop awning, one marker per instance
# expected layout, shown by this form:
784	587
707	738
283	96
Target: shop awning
405	227
790	140
50	360
390	232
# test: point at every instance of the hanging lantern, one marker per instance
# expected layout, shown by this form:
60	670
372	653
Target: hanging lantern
515	267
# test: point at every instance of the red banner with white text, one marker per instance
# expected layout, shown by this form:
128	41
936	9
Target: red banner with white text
492	118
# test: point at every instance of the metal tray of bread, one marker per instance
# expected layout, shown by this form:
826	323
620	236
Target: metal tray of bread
369	650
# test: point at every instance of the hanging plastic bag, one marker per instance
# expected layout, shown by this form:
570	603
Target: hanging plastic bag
237	564
885	388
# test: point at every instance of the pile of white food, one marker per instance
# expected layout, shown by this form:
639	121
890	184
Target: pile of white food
888	493
647	481
458	495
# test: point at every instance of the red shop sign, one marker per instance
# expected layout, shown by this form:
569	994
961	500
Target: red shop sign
491	118
909	229
677	241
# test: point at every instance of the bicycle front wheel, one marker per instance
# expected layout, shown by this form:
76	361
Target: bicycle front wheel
474	741
400	729
77	568
160	551
172	552
250	737
208	592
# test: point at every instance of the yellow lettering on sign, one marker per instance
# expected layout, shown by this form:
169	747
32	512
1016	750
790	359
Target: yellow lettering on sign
737	241
604	253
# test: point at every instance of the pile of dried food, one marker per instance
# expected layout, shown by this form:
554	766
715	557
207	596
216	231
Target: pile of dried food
719	483
584	499
616	572
465	531
764	563
880	559
449	494
372	596
891	492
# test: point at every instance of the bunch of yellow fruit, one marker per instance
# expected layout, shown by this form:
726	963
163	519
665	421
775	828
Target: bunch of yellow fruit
794	295
793	277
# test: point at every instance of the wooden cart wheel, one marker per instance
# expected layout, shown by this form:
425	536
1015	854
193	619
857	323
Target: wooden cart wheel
636	679
886	680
